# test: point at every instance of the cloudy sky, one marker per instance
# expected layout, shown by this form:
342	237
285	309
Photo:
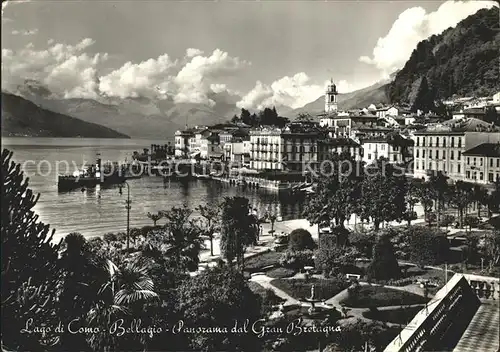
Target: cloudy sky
269	52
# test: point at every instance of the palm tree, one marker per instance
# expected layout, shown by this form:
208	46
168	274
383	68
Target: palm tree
155	217
126	290
480	196
439	185
272	219
461	197
211	214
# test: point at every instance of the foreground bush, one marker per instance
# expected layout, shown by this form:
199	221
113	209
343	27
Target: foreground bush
384	265
297	259
300	239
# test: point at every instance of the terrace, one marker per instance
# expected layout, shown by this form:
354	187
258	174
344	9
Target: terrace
462	316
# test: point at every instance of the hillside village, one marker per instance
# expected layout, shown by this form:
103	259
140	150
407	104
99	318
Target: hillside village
422	142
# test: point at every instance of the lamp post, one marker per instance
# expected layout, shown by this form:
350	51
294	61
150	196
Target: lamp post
127	206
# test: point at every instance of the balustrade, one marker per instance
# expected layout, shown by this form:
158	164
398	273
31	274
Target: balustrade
428	326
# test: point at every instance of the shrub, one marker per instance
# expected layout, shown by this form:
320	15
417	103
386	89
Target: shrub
259	261
296	259
300	239
384	264
447	220
279	273
335	260
110	237
426	246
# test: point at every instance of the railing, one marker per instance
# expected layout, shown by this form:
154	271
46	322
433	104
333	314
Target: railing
485	287
431	323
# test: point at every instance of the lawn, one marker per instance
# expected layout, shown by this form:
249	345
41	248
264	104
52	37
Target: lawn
279	273
300	288
396	316
379	296
259	261
266	294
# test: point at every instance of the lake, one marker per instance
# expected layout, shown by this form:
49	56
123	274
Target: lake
94	212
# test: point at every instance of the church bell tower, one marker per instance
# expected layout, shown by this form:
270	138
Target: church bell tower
331	98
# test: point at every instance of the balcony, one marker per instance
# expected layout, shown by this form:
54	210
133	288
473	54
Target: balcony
462	316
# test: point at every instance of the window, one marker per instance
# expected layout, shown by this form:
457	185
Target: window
430	141
437	141
491	162
490	177
498	162
395	157
459	142
468	161
453	142
444	141
382	147
467	174
423	153
459	155
437	154
451	155
418	141
444	154
474	161
430	166
423	141
369	156
416	155
480	161
481	176
458	168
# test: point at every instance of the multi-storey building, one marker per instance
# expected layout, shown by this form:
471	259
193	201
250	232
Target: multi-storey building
328	146
182	139
374	148
440	147
289	148
482	163
266	151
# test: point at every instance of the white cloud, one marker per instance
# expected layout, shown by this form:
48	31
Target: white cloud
190	52
414	25
143	79
25	32
198	76
65	69
9	3
294	92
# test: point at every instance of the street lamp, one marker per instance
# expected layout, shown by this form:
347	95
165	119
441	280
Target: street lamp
127	206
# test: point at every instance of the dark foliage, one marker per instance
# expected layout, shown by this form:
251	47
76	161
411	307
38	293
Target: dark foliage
300	239
384	265
462	60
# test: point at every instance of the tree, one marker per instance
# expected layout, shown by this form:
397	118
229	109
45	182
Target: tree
211	214
383	194
461	196
424	100
426	246
215	298
480	196
337	191
300	239
272	219
384	265
491	115
245	117
439	185
412	192
30	267
489	248
155	217
182	237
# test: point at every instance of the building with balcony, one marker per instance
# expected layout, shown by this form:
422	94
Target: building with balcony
329	146
482	163
394	148
440	147
463	316
182	143
266	149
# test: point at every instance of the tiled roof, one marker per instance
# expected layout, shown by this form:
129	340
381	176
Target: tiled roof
339	142
485	149
460	126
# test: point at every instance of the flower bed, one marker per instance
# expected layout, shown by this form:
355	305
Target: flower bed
301	288
379	296
279	273
259	261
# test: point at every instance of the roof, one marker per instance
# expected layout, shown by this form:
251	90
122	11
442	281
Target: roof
340	142
485	149
460	126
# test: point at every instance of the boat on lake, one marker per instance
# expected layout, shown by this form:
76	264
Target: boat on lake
96	174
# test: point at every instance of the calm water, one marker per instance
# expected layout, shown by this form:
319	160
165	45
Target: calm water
98	211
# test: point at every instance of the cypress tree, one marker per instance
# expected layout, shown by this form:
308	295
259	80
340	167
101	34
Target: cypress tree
384	265
30	268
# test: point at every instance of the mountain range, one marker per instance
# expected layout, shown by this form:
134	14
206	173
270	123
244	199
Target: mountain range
21	117
462	60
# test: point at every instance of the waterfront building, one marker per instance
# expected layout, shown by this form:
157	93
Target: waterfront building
374	148
440	147
182	143
328	146
482	163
